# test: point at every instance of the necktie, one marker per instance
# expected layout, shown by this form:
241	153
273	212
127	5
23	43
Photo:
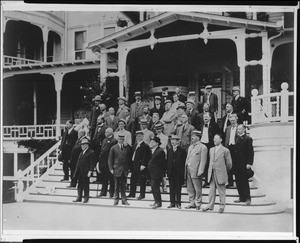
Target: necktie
121	147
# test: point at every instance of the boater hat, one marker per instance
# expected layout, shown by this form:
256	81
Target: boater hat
139	132
157	97
190	101
175	137
197	133
168	101
181	107
236	88
159	126
122	120
192	93
122	98
144	121
85	140
121	136
97	97
208	86
138	93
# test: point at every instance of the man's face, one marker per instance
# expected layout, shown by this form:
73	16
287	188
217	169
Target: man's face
240	130
152	144
121	102
144	126
84	146
99	120
111	111
108	132
233	120
167	106
145	111
175	97
194	138
235	93
189	106
180	111
174	142
102	107
69	125
208	91
126	112
139	137
121	125
121	140
192	97
184	118
155	117
206	118
158	130
138	98
206	107
217	140
157	101
177	90
229	108
96	102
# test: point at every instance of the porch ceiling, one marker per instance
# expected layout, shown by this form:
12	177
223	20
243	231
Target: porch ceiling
169	17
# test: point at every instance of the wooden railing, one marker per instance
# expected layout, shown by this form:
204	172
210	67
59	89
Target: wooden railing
35	172
13	61
273	107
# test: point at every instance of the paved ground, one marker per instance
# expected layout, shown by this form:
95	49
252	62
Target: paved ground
80	217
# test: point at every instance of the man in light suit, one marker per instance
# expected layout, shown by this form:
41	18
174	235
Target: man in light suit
118	163
112	120
185	132
168	118
147	133
136	109
211	99
120	111
220	164
195	164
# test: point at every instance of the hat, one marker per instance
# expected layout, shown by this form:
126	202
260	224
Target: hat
157	97
192	93
156	139
236	88
143	121
168	101
208	86
159	126
138	93
139	132
175	137
190	101
181	107
122	98
249	173
121	135
122	120
85	140
197	133
97	97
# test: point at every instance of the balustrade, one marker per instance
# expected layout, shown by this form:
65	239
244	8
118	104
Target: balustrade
14	61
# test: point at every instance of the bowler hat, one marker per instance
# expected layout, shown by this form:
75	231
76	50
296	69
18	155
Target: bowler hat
208	86
97	97
156	139
197	133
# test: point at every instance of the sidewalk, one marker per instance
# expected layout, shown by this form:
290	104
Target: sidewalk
81	217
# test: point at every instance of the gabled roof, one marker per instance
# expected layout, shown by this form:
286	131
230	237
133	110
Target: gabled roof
169	17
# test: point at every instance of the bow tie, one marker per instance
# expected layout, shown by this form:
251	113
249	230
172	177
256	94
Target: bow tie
206	125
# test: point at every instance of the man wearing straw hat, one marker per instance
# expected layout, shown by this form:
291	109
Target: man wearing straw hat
120	111
136	109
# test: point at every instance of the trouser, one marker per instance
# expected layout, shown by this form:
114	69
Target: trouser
175	188
194	188
242	184
66	166
155	184
107	177
205	174
212	192
120	185
83	185
136	176
164	183
230	172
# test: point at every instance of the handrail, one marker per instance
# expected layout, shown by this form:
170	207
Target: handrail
11	61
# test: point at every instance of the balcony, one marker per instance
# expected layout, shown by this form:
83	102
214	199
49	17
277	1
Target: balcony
16	61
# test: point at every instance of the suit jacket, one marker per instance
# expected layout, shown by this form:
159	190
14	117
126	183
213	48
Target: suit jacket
137	110
127	139
194	118
176	163
160	111
105	148
213	129
223	123
243	152
141	157
238	106
201	121
67	143
120	111
182	98
213	101
75	153
86	162
185	134
94	115
196	159
221	163
99	136
157	163
227	136
118	160
168	119
130	125
112	123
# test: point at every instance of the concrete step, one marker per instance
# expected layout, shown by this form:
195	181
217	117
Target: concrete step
145	204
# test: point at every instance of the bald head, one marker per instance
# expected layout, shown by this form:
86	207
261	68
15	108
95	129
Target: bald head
109	132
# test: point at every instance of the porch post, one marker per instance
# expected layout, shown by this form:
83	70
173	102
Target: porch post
266	76
241	59
34	104
45	41
103	67
122	72
15	163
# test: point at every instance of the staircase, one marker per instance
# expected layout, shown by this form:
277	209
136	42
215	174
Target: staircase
51	190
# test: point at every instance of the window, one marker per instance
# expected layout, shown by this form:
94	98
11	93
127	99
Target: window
109	31
80	40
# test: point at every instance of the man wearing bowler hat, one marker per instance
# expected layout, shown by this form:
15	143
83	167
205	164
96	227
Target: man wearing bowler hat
84	169
240	105
176	157
136	109
157	168
158	107
195	164
118	163
211	99
94	115
120	111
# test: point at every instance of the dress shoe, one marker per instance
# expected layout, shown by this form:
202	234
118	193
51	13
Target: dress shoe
156	206
221	210
102	195
190	206
238	201
64	179
197	207
151	205
178	206
205	184
111	195
206	209
248	202
85	200
71	186
77	200
116	203
125	203
171	206
140	197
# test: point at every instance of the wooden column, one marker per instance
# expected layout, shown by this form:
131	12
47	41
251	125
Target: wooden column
103	67
241	60
45	41
34	104
15	163
266	64
122	72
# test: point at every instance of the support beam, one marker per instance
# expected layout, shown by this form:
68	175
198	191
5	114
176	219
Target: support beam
34	104
15	163
103	67
242	80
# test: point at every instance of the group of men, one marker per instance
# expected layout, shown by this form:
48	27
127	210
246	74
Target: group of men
177	139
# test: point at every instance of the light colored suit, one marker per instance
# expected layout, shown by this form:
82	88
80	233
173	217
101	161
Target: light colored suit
220	164
195	164
136	109
168	119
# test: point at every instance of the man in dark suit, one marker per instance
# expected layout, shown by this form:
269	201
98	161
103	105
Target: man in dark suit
84	169
244	159
231	137
197	104
140	159
192	114
118	163
136	109
184	131
209	130
205	110
225	119
94	115
176	157
111	120
157	168
102	166
158	107
68	141
211	99
241	106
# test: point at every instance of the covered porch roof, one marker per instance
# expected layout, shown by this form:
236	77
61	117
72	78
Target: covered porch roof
169	17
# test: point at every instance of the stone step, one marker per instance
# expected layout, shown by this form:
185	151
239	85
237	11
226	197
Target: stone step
143	204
